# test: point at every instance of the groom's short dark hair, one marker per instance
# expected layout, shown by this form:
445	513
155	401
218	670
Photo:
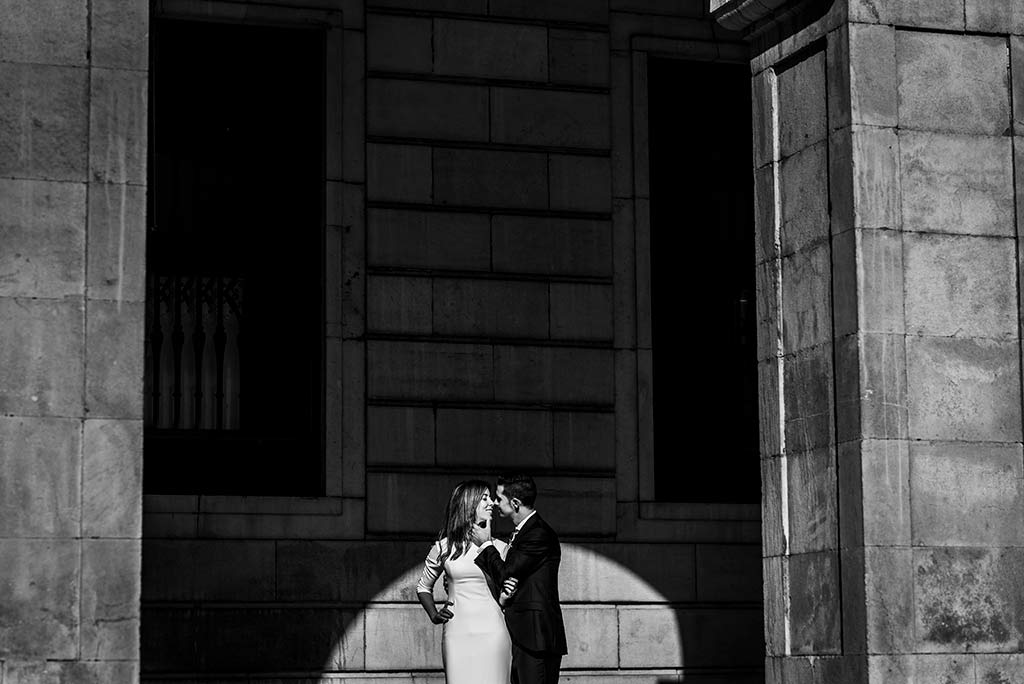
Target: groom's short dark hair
519	486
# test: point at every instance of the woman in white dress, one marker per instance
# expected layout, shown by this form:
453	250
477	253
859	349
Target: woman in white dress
476	648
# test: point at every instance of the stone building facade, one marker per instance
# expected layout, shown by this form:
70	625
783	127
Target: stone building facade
487	303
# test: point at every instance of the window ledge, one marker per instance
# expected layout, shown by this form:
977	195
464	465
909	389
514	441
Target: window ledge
242	505
660	510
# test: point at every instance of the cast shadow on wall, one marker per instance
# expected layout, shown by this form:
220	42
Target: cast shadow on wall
338	609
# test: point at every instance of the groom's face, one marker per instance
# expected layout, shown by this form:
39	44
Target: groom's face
504	505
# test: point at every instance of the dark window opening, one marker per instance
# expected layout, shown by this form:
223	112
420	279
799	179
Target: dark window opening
234	325
702	282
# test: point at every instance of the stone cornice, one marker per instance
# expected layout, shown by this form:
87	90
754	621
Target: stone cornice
741	15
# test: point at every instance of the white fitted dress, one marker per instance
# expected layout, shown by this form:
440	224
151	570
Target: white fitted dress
476	648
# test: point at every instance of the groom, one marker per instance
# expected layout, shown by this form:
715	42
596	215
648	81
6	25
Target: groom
533	615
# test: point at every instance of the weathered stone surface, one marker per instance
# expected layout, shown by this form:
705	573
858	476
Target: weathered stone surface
883	386
40	362
966	494
400	173
766	276
111	579
967	599
71	672
490	308
596	631
352	128
396	43
413	503
399	304
558	375
114	359
400	435
808	396
44	119
351	571
631	572
490	178
769	407
804	181
889	594
956	183
423	370
874	491
930	13
254	639
580	183
119	34
813	508
728	572
853	593
48	32
960	286
660	636
764	214
401	637
912	668
763	115
880	269
209	570
39	580
428	239
872	71
584	441
1002	668
776	588
814	603
551	246
875	177
549	117
952	82
112	462
581	311
995	16
426	110
490	439
1017	95
39	486
117	242
773	540
42	228
578	57
455	6
802	104
490	50
963	389
118	106
807	310
558	10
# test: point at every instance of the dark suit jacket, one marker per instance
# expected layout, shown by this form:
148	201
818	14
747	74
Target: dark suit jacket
533	614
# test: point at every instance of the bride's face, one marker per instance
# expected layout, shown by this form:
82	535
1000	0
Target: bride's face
483	509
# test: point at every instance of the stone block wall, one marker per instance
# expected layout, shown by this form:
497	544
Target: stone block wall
73	103
486	318
892	475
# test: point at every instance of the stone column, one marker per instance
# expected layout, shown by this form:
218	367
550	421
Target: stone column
887	172
72	207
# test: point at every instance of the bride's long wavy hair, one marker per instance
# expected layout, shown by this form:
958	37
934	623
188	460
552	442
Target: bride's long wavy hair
460	516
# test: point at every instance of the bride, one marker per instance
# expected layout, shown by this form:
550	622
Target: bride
476	648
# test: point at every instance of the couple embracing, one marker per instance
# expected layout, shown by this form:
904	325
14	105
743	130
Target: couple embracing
485	577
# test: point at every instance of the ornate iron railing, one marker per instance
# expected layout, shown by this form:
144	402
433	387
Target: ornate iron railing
193	352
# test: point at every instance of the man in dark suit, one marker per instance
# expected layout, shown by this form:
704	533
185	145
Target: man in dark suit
533	613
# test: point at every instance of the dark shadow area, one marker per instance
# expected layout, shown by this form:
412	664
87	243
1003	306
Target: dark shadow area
703	315
234	258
